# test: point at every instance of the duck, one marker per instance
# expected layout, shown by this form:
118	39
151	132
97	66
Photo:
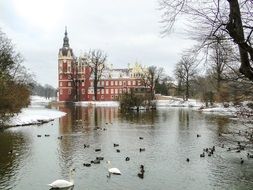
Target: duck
87	164
96	161
38	135
115	145
141	138
140	175
198	135
202	155
249	155
61	183
127	159
99	158
187	160
142	149
242	161
60	138
142	168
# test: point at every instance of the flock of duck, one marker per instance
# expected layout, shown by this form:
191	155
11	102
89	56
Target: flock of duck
112	170
60	183
210	151
115	171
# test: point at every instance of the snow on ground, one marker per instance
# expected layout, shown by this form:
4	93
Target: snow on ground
29	116
38	101
178	102
98	103
221	110
36	113
231	110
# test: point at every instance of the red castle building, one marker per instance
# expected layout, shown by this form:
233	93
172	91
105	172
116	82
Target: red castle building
76	85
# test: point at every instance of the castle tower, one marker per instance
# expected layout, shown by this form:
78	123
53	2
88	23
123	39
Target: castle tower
66	71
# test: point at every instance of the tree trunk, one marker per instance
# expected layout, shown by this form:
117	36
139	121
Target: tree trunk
235	29
95	83
187	89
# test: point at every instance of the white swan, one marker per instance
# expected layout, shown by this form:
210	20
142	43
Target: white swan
61	183
115	171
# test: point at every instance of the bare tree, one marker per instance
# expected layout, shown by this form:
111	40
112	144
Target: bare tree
151	77
14	84
185	71
210	18
95	60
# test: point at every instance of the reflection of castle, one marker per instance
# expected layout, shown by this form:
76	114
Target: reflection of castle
75	85
86	118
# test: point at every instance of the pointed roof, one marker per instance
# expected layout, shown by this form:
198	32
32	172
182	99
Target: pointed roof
66	50
66	39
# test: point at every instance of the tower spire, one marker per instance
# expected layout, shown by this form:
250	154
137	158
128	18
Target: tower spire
66	39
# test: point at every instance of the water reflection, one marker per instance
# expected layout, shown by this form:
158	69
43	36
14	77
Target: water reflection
168	136
183	118
67	188
14	150
86	118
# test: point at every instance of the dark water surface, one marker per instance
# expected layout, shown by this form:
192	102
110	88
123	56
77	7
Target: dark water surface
169	137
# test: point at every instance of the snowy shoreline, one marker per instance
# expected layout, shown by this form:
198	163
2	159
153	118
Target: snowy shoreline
35	114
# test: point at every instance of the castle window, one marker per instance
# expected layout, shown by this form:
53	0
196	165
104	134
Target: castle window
69	83
69	91
83	91
112	83
134	82
129	83
60	91
102	91
106	83
107	91
116	91
60	83
82	83
116	83
112	91
60	76
102	83
120	83
69	68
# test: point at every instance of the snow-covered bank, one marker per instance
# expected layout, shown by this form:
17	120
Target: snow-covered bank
178	102
30	116
36	113
229	110
98	103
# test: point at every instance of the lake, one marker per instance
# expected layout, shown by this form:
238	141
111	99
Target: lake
168	135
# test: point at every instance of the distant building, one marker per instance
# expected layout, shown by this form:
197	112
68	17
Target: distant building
76	82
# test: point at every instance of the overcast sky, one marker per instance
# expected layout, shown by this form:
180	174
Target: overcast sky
127	30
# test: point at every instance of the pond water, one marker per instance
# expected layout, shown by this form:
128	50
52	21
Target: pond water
169	136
